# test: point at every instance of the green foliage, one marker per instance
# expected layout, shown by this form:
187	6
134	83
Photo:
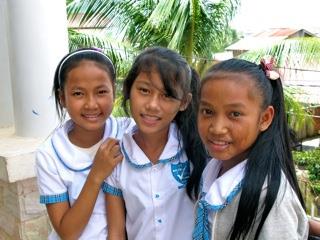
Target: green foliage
298	114
310	160
117	108
292	53
194	28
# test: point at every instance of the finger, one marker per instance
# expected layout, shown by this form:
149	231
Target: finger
116	148
115	151
109	143
118	158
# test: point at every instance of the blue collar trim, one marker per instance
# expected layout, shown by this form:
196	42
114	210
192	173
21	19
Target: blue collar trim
149	164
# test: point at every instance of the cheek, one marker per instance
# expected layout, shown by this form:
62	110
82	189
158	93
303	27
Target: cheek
202	128
107	102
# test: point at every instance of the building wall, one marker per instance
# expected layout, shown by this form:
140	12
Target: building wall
21	215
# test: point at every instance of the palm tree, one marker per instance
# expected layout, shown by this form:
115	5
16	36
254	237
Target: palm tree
192	27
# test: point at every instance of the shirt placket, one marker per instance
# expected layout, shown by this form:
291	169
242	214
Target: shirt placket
156	199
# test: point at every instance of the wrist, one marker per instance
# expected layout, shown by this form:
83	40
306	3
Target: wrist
95	178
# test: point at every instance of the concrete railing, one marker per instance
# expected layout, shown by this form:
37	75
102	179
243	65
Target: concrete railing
21	214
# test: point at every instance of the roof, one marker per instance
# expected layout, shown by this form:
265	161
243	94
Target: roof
282	32
267	38
251	43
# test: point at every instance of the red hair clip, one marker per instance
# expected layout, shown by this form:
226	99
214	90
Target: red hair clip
267	65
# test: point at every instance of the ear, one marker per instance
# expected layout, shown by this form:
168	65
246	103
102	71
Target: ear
185	102
62	98
266	118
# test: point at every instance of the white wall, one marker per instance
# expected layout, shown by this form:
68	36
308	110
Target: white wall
6	105
37	41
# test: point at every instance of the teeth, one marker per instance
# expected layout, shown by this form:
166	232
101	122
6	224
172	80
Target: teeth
91	116
219	142
150	117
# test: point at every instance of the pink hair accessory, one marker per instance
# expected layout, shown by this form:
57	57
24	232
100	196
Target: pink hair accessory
267	64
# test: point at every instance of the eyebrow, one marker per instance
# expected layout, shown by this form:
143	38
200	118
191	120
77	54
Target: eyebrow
201	102
150	84
143	81
77	87
234	105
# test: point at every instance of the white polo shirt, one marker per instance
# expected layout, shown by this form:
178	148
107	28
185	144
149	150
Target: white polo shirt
62	169
156	201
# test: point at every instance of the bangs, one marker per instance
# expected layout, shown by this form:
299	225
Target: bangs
170	74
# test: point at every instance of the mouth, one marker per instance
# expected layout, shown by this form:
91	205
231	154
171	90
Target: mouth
150	119
91	117
218	145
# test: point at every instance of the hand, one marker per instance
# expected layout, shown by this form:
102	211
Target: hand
106	158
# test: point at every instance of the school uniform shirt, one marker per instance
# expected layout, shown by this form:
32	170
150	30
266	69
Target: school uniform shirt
62	169
217	207
157	205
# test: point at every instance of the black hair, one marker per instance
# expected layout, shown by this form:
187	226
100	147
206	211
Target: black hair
270	154
71	61
174	71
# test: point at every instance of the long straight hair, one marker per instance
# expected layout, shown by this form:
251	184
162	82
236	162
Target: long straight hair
175	73
270	154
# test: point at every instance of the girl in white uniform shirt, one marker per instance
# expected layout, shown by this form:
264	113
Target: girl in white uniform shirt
249	189
147	193
69	174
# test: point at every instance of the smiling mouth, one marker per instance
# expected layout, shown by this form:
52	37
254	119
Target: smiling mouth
150	119
219	142
218	145
91	116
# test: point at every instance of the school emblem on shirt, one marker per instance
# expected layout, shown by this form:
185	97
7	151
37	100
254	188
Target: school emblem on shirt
181	172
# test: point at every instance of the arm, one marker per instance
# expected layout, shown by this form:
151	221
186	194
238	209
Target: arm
115	217
314	228
69	222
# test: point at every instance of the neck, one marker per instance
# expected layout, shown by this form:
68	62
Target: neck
151	145
85	139
228	164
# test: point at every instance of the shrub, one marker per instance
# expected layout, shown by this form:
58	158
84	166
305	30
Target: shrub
310	160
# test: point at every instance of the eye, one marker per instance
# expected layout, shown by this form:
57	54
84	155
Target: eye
235	114
206	112
77	93
144	91
167	97
103	92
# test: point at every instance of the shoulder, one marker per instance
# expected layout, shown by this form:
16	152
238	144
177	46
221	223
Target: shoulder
119	125
46	151
287	218
287	197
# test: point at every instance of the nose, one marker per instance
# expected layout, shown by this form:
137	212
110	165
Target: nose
153	102
218	126
91	102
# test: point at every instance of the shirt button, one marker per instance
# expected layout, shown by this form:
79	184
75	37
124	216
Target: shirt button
159	221
157	196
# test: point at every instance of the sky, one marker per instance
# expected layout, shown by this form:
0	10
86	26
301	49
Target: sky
257	15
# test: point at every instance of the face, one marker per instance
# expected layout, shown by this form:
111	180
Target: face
88	97
230	117
152	109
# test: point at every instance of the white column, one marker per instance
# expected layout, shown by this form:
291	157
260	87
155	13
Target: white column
37	41
6	105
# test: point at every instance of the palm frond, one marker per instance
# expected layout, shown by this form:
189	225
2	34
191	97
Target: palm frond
303	52
120	54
